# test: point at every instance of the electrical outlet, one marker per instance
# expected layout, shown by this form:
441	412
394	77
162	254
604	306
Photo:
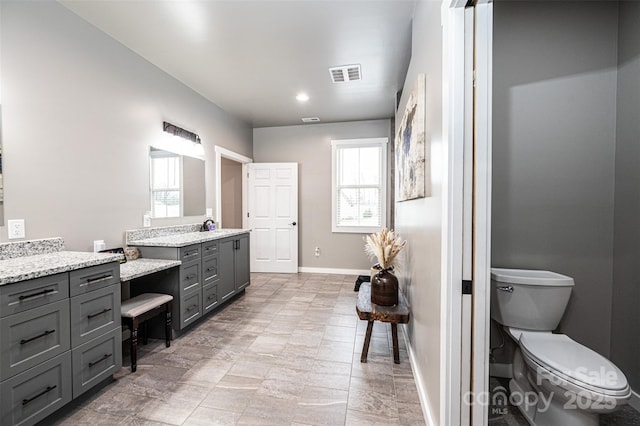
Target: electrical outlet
209	212
146	221
15	228
317	252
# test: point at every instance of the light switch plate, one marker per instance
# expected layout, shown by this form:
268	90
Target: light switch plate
15	228
209	212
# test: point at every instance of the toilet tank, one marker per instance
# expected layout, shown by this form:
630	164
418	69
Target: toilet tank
529	299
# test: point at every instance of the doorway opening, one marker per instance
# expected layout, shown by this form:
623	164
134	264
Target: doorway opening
231	188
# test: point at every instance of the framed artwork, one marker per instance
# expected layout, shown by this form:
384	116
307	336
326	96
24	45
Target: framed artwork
411	147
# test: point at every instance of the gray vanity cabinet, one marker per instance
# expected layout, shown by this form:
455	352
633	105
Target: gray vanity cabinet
31	337
227	286
59	336
234	265
187	291
241	262
34	394
211	273
95	325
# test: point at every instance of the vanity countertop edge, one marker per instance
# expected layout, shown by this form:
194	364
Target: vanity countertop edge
40	265
188	238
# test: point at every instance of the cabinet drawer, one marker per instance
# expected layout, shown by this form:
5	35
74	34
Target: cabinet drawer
190	253
92	278
190	308
31	396
34	336
209	248
94	313
96	360
30	294
189	277
209	270
210	297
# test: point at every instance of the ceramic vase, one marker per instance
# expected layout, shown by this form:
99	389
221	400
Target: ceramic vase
384	288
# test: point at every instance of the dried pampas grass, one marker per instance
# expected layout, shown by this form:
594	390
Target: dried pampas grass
384	246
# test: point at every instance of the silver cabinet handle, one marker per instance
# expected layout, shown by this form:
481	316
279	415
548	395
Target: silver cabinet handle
507	288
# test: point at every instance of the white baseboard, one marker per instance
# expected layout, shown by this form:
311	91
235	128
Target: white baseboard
422	390
634	401
334	271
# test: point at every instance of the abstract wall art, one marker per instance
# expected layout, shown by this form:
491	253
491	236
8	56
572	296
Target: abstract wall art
410	146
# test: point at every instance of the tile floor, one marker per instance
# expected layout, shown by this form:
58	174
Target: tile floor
511	415
287	352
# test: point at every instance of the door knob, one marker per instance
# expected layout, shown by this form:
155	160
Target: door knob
293	223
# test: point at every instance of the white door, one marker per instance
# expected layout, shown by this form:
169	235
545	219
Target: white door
273	216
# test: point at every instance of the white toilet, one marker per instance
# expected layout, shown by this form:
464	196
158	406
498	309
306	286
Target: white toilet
556	381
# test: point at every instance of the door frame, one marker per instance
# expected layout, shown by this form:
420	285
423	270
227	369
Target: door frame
226	153
452	395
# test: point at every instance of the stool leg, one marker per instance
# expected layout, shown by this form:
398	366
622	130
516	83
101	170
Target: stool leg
167	329
145	332
367	340
134	344
394	336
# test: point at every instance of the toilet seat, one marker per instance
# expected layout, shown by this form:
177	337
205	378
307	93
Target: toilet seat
581	368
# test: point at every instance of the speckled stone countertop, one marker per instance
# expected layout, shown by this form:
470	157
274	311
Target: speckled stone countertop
31	247
40	265
142	266
183	240
160	231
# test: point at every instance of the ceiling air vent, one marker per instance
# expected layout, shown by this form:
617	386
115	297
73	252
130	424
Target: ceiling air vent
310	120
345	73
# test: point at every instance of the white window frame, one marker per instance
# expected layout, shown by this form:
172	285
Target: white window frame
359	143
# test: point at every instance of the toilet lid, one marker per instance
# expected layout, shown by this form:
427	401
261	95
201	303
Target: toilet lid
572	361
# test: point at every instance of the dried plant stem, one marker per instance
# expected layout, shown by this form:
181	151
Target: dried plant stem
384	246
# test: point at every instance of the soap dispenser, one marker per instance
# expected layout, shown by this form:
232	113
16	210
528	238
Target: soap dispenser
208	225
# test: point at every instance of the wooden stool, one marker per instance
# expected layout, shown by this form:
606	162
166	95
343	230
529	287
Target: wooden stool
139	309
398	314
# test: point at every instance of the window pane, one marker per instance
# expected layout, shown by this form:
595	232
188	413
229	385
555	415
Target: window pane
369	207
348	166
359	207
165	203
369	166
165	172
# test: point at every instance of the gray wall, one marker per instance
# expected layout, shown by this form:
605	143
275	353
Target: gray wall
554	103
310	147
420	221
625	320
79	113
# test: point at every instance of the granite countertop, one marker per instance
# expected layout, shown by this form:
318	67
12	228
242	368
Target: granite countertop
40	265
182	240
143	266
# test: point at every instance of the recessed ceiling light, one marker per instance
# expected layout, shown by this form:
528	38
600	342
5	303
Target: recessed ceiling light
302	97
310	120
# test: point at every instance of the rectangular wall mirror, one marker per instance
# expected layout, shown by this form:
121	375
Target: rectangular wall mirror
177	184
1	181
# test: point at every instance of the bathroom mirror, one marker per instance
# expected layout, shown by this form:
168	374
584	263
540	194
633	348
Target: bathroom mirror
177	184
1	181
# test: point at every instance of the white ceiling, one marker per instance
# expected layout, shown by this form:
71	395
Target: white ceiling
251	58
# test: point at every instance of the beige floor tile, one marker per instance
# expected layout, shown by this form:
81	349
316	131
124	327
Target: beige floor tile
285	353
204	416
